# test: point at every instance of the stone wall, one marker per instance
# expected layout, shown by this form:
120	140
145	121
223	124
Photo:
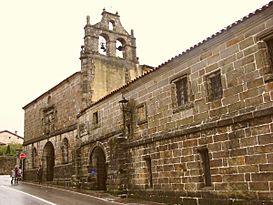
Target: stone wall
7	164
60	103
165	146
204	150
60	165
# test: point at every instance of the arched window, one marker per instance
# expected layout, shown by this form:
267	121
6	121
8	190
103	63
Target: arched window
35	161
111	25
65	151
120	51
103	45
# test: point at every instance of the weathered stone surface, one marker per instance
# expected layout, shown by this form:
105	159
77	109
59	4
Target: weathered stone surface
201	150
7	163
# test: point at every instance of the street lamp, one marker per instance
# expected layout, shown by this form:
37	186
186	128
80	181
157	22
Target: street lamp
124	106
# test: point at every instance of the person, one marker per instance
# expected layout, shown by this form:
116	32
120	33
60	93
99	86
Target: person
17	174
12	175
20	174
39	174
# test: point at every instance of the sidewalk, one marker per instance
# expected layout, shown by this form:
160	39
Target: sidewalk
99	194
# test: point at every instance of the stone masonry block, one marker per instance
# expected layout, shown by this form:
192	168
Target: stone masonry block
250	50
236	161
228	170
234	41
248	168
246	43
233	178
190	143
262	176
244	61
254	159
266	167
262	149
262	186
229	51
249	141
266	139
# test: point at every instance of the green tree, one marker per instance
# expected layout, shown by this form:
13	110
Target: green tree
8	150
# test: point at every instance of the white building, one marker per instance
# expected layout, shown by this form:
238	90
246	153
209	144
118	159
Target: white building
7	137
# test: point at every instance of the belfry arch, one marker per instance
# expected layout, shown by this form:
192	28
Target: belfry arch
48	162
103	44
120	48
97	167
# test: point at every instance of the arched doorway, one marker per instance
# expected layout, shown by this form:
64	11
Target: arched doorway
98	165
48	162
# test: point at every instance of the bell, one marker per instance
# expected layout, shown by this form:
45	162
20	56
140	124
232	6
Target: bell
102	46
120	48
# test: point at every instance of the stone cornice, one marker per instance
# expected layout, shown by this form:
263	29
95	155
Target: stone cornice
106	136
201	127
57	132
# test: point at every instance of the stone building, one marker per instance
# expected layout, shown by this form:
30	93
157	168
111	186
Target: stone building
7	137
108	61
195	130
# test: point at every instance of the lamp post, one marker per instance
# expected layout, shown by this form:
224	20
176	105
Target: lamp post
124	107
122	174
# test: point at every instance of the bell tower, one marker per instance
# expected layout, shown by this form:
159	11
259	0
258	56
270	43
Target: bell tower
108	57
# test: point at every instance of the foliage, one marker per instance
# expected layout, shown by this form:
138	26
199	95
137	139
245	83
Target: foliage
10	149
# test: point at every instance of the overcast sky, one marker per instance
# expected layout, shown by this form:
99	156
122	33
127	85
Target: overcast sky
40	40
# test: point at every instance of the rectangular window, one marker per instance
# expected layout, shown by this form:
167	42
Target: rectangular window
214	86
84	86
49	119
149	171
141	113
95	118
269	44
204	154
182	91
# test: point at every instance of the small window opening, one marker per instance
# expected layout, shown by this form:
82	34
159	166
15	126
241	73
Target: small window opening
204	154
34	158
95	118
182	91
269	43
214	86
84	86
65	151
149	171
111	25
48	99
141	113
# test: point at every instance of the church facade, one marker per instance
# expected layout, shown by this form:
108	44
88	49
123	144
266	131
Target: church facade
194	130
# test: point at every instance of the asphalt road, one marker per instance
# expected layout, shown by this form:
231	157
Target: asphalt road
28	194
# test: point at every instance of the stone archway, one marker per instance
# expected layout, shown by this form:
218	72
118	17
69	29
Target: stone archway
48	162
97	164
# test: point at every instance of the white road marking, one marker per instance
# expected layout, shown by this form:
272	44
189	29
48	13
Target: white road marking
35	197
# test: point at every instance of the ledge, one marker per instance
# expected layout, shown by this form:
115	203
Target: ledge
106	136
57	132
198	128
